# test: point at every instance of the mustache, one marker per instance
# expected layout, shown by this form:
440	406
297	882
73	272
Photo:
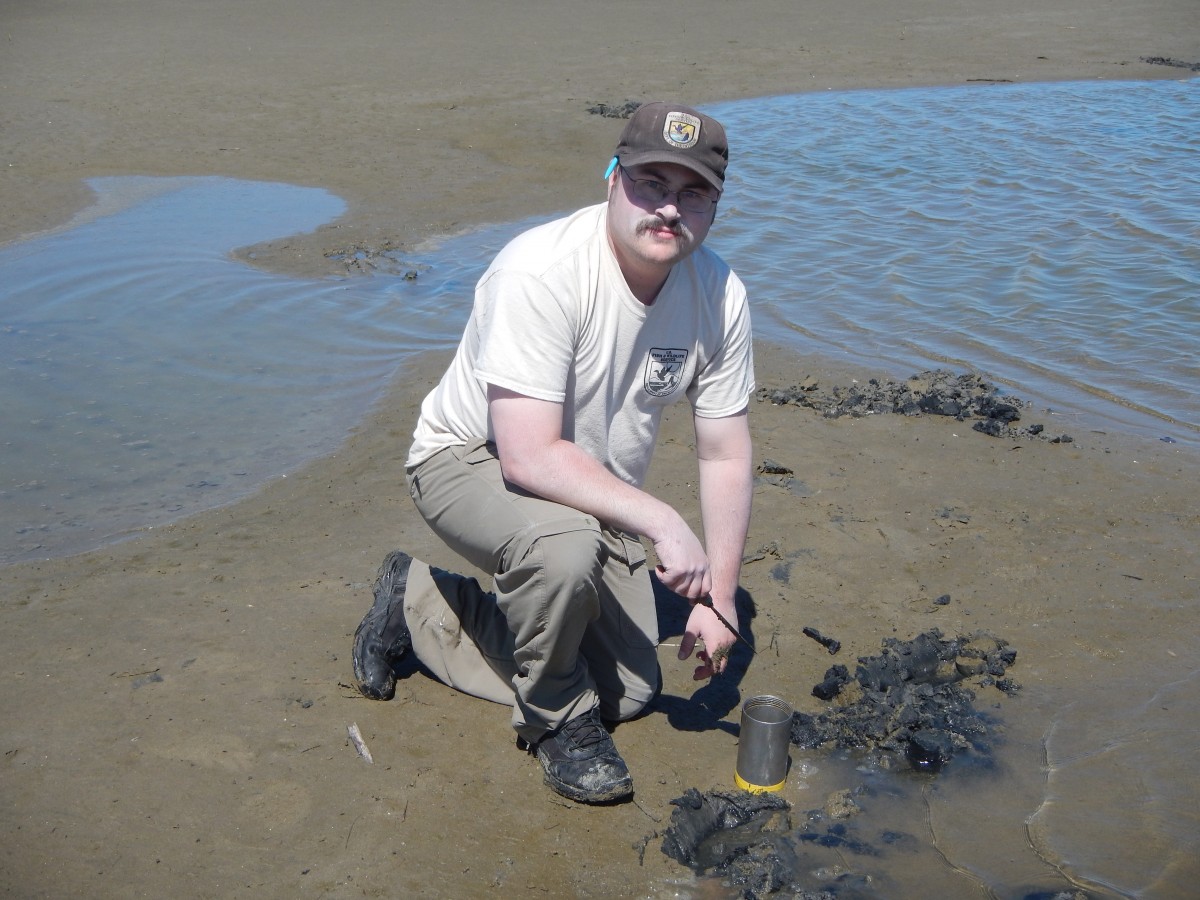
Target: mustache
654	223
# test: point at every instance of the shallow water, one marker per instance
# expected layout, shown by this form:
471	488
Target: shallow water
1048	235
1116	783
148	375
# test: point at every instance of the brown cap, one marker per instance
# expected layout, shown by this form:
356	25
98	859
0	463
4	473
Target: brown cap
669	133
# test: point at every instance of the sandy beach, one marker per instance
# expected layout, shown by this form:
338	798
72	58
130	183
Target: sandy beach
175	707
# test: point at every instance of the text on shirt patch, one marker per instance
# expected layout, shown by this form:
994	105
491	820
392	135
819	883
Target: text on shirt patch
664	369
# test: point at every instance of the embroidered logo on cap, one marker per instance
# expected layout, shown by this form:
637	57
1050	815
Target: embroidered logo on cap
681	130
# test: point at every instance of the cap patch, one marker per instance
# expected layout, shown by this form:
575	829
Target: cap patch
681	130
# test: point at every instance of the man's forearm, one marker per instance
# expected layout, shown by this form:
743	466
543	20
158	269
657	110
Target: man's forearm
726	491
564	473
534	456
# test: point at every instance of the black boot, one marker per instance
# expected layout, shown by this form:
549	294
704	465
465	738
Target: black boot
581	761
382	637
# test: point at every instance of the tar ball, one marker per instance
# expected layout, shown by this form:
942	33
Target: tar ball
928	751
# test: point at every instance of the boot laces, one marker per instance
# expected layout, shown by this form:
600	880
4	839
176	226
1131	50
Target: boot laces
585	731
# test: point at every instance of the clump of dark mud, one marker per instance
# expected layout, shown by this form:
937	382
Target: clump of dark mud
615	110
750	842
757	845
741	837
938	392
910	701
697	818
361	258
1168	61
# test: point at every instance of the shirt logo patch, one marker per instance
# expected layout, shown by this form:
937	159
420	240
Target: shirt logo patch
681	130
664	370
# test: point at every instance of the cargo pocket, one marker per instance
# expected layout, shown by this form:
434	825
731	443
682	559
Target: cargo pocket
636	613
478	450
626	548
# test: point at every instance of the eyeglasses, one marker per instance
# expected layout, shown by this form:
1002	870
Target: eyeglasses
655	192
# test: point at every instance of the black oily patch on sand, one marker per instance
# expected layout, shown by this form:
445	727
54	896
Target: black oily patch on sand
937	393
906	703
734	834
615	110
750	842
698	817
910	701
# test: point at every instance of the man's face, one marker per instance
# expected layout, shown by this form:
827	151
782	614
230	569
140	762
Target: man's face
650	235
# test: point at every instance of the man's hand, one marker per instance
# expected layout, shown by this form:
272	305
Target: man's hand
682	563
703	625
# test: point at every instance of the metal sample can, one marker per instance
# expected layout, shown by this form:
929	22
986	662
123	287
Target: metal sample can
762	760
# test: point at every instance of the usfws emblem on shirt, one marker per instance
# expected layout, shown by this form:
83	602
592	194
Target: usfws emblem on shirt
681	130
664	369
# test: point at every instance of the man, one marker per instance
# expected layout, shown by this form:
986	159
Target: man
529	456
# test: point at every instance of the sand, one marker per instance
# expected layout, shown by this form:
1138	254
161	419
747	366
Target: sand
175	707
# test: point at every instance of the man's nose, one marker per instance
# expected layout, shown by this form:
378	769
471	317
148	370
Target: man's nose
668	208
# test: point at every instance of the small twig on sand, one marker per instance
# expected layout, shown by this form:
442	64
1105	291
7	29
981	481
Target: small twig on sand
360	745
647	813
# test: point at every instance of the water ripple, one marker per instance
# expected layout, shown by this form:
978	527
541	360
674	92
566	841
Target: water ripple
149	375
1109	780
1044	234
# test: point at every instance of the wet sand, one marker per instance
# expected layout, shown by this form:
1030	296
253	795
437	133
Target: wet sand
175	707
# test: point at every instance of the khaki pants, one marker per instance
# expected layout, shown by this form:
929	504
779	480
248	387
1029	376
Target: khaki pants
571	623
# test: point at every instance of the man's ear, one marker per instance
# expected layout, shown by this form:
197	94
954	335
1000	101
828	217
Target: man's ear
614	184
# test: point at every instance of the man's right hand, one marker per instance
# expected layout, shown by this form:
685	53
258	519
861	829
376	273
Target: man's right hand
682	562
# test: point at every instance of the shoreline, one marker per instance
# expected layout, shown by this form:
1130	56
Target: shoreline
824	371
176	705
368	226
471	142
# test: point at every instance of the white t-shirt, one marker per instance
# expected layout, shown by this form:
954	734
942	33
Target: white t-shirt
554	320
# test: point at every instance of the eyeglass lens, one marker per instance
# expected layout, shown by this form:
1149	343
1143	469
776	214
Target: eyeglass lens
656	192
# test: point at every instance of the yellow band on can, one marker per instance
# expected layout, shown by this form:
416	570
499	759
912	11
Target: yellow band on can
757	788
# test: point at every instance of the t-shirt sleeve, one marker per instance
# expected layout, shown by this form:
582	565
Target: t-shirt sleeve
526	340
724	385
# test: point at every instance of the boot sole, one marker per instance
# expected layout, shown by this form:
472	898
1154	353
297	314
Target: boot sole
620	791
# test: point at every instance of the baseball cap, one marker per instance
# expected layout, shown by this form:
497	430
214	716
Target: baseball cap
661	132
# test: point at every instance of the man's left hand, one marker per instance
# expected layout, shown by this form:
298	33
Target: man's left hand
704	626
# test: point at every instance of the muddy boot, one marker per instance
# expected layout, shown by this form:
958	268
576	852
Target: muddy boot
582	763
382	637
